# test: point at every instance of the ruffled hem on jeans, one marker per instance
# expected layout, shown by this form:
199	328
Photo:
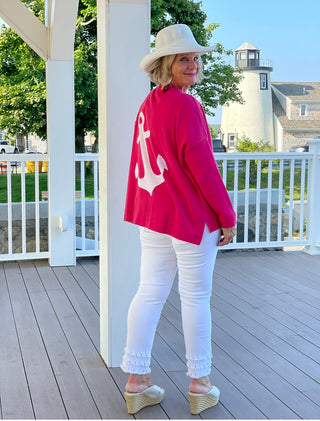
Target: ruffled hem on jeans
198	366
135	363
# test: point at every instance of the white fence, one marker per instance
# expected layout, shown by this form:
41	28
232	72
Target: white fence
270	193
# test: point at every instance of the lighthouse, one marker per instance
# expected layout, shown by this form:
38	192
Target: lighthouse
253	118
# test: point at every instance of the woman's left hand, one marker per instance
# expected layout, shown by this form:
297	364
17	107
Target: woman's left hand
227	235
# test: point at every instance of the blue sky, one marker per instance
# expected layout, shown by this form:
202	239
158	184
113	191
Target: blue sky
286	31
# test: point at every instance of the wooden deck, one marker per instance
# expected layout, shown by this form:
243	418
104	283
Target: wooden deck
266	342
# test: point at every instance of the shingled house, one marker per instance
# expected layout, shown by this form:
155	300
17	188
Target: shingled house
296	111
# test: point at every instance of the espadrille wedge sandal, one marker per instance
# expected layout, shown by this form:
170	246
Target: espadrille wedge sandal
201	401
150	396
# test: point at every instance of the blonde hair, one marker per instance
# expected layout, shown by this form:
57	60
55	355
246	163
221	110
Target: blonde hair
160	70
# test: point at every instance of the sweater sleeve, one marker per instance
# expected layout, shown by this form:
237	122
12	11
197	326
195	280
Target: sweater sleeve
199	159
202	165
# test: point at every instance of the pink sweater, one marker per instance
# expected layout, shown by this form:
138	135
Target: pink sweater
174	185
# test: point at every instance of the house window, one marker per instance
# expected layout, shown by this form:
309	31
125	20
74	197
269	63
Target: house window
243	56
263	81
303	109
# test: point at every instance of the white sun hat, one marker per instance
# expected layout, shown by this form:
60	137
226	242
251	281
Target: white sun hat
174	39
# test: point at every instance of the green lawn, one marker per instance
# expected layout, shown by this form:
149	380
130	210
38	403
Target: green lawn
16	187
89	184
275	181
30	187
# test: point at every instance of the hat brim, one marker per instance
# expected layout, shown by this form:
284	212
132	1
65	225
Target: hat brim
147	61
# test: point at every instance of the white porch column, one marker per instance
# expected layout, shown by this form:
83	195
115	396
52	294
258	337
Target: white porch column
54	43
61	147
123	39
314	199
61	19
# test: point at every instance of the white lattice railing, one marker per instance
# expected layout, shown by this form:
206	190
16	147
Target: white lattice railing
271	193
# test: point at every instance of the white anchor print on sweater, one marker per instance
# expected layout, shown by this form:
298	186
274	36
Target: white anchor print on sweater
150	180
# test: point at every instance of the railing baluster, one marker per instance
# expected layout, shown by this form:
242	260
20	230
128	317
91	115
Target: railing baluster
225	171
246	202
96	205
23	208
308	201
235	191
37	212
302	191
83	206
9	196
257	233
269	200
291	196
280	187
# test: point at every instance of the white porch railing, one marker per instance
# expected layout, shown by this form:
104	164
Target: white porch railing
87	205
269	192
23	216
272	193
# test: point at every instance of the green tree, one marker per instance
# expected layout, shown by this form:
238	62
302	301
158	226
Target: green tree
22	72
22	87
22	78
214	130
85	62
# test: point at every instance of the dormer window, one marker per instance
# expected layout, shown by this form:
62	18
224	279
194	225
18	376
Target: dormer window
303	110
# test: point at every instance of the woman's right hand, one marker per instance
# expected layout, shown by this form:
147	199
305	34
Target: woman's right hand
227	235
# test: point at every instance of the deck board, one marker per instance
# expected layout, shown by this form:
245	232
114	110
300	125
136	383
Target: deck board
77	397
44	390
87	284
12	373
269	405
284	326
83	307
266	342
91	266
98	379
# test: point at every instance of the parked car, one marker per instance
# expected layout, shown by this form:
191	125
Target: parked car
218	146
299	148
5	147
87	148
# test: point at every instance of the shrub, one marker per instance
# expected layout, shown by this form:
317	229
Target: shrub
245	144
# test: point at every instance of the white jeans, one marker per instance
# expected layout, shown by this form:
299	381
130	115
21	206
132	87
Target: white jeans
161	256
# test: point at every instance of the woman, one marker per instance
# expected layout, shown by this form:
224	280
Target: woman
177	197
